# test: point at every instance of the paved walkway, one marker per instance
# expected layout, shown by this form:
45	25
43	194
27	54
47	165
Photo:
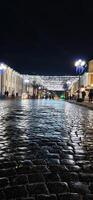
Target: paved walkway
55	170
85	104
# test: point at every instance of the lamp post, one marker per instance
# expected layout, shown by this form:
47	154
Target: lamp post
79	64
2	69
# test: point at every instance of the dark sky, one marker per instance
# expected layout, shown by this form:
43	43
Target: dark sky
45	38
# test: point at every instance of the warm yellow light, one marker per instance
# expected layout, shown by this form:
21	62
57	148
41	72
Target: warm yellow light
24	96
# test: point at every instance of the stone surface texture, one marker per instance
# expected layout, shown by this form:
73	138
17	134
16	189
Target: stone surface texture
46	151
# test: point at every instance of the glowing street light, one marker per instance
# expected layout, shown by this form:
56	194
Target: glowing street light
26	81
68	82
3	66
79	64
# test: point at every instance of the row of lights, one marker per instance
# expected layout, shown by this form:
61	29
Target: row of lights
79	63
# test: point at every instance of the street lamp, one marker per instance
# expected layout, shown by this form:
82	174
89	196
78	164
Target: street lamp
2	69
79	64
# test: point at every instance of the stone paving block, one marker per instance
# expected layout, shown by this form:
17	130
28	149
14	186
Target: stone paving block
39	162
51	177
23	170
6	165
15	192
69	143
47	197
79	187
36	178
55	150
88	197
79	147
39	168
82	162
68	151
30	156
67	162
58	168
57	187
33	144
66	156
86	177
2	173
2	195
69	196
80	157
53	161
87	168
91	187
37	188
20	180
49	143
81	152
74	168
3	182
7	172
53	155
68	176
26	163
67	147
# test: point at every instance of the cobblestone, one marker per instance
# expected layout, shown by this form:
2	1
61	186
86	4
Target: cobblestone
3	182
58	168
39	168
91	186
47	197
36	178
69	196
51	177
2	195
86	177
37	188
88	197
67	162
57	187
69	176
79	187
38	163
19	180
15	192
75	168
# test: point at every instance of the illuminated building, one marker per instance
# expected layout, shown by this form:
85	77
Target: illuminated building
10	81
35	85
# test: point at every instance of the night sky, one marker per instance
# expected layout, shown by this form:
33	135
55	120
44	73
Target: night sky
45	38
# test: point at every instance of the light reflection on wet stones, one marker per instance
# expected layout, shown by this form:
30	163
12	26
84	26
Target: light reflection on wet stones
46	148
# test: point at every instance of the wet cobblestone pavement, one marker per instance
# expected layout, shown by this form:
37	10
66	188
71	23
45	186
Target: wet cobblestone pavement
46	151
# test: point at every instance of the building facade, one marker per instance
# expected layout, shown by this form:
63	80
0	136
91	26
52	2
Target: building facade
14	84
10	81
